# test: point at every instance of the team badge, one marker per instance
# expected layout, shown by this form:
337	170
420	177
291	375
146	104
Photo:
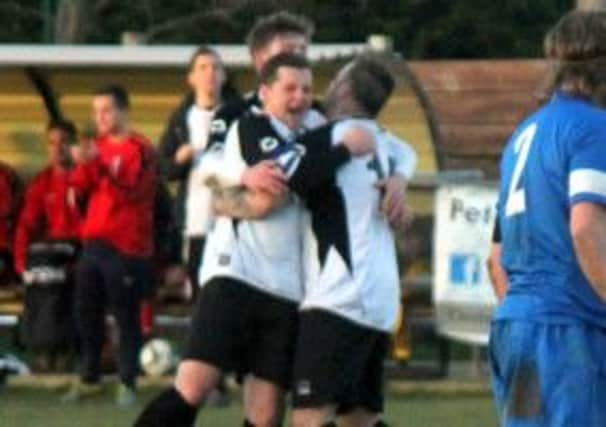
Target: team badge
268	144
218	126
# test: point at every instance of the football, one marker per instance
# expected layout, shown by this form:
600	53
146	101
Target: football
157	357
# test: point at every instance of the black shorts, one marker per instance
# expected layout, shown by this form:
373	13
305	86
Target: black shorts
338	362
238	328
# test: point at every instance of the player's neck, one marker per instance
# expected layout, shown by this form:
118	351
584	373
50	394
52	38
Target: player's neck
207	101
118	136
347	110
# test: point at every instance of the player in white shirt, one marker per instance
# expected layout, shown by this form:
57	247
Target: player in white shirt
352	289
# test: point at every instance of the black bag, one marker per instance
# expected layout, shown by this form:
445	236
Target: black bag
48	316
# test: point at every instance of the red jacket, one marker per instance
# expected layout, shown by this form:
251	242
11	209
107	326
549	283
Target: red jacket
121	182
10	200
52	210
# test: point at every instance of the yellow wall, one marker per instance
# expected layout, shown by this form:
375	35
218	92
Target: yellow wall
155	92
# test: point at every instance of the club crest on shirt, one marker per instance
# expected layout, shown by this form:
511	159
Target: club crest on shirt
218	126
268	144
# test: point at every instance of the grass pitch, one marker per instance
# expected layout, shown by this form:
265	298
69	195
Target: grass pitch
34	406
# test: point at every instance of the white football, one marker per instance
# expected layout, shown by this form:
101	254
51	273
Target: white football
157	357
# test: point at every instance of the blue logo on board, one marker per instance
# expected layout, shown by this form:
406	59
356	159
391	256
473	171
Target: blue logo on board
465	269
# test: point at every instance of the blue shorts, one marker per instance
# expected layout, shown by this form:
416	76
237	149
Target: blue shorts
548	375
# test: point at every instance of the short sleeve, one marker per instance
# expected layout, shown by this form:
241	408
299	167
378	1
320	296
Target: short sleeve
587	173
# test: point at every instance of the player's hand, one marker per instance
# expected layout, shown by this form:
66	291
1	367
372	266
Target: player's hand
394	205
265	176
184	154
83	152
359	141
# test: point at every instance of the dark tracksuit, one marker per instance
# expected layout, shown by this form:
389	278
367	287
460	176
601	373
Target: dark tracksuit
114	267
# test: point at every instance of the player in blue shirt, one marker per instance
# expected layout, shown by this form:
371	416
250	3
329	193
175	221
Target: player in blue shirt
549	334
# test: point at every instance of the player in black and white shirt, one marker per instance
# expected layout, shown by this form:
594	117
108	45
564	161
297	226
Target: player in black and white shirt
352	288
351	294
246	315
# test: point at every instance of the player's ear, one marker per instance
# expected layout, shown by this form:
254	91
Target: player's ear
263	89
190	78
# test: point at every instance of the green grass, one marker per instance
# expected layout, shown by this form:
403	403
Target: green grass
33	407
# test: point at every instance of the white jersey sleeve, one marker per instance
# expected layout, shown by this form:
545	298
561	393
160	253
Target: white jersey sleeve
402	156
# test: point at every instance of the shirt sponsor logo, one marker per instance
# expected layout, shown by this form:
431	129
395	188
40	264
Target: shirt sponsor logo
218	126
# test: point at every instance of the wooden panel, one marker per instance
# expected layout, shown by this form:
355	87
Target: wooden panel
516	75
482	107
487	164
475	139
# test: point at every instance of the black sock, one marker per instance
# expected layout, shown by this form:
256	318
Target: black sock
169	409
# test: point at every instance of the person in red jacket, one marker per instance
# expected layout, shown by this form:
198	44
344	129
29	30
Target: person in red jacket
46	247
53	209
118	170
10	201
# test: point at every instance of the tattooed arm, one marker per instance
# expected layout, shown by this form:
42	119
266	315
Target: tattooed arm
239	202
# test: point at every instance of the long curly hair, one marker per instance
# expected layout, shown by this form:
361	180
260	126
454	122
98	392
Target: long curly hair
576	49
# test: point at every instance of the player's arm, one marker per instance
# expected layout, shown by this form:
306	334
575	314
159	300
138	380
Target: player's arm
322	153
222	165
240	191
239	202
587	197
175	151
394	204
496	272
588	230
304	167
31	223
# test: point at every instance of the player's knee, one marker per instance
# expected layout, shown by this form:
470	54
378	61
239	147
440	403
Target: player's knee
264	419
195	380
298	420
311	418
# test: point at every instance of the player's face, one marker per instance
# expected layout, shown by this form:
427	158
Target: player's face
108	117
282	43
207	75
58	147
289	97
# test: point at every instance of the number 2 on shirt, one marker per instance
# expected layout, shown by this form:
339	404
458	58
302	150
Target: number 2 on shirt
516	198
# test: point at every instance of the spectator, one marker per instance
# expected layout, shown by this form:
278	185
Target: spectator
118	170
184	138
10	197
47	240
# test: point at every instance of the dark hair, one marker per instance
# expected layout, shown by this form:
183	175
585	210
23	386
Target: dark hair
65	125
576	45
268	27
269	72
117	92
202	50
371	83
